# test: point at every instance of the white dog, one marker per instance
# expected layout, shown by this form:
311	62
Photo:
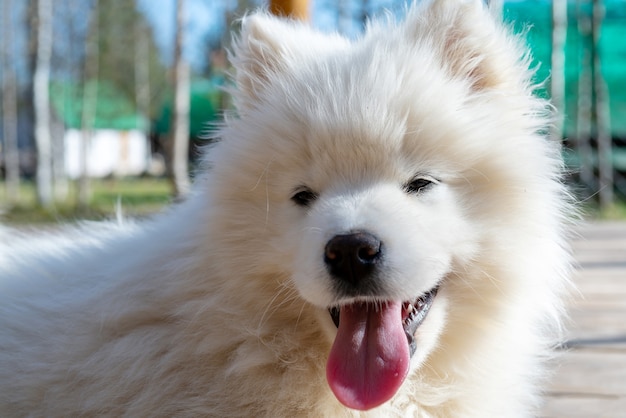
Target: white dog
379	232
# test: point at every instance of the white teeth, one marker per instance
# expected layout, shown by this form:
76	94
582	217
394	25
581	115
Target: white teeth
412	310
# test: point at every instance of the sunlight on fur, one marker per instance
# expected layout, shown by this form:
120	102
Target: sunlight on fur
380	231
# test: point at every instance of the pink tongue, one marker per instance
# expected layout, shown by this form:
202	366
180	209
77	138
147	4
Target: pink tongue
370	356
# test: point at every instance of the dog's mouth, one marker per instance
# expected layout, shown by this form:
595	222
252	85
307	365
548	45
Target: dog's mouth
413	314
370	357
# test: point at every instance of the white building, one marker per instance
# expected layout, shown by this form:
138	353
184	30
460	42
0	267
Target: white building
109	153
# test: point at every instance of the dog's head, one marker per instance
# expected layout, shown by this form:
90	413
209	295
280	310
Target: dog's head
368	170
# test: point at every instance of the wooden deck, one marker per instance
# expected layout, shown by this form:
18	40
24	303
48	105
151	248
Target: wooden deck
591	379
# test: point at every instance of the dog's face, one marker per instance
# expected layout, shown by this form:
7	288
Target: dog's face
374	246
355	177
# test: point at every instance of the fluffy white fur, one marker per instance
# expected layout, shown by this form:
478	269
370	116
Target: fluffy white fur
219	307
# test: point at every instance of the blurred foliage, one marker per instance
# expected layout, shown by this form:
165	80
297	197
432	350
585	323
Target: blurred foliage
120	30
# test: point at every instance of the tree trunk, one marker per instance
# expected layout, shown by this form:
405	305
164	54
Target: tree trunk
603	124
365	13
180	116
557	84
343	17
142	79
90	100
59	177
9	108
585	103
59	174
42	103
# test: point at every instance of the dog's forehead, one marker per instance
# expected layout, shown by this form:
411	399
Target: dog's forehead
344	104
345	113
354	139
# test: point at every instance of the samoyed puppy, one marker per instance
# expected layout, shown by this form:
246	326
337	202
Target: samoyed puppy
380	231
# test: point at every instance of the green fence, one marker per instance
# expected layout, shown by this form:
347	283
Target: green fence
535	17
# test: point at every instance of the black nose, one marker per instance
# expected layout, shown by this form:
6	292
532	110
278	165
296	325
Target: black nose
352	257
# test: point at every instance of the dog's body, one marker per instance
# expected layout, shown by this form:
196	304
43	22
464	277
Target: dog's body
403	169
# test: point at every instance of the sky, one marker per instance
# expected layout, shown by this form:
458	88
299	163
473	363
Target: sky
202	19
205	18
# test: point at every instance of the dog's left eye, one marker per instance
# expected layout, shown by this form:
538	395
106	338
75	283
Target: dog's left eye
304	196
419	185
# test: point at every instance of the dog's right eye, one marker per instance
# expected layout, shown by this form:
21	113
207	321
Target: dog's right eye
419	185
304	196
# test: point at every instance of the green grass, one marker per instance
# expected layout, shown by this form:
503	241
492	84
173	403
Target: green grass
144	196
138	197
591	210
616	211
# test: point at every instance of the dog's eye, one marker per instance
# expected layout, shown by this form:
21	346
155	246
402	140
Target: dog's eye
304	196
419	185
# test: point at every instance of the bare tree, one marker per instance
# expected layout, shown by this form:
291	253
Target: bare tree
142	68
557	84
41	102
584	105
603	124
366	9
142	75
180	116
344	17
89	100
121	23
231	20
9	108
63	60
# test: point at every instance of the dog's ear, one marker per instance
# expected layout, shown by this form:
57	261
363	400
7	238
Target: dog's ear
268	46
257	53
472	45
263	49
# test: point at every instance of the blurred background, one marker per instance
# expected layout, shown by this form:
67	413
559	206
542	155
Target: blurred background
107	102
